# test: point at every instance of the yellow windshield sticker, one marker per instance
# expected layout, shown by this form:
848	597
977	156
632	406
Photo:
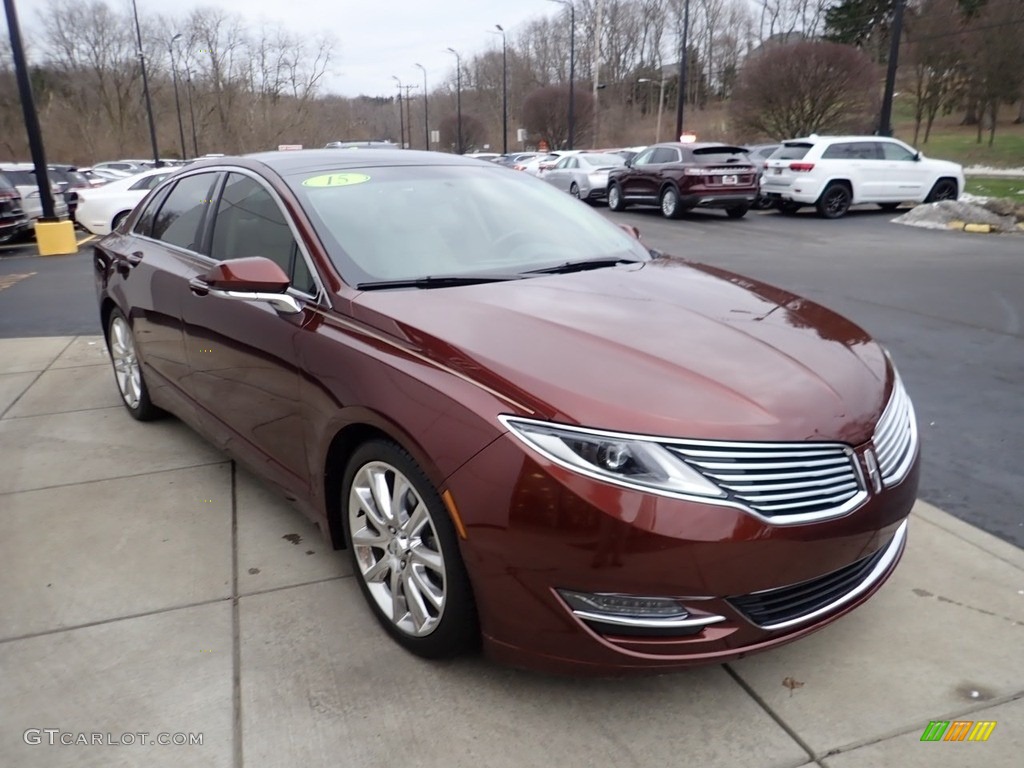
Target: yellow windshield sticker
336	180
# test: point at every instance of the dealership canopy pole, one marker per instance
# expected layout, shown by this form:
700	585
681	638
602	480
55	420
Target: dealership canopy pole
145	87
685	54
28	107
896	31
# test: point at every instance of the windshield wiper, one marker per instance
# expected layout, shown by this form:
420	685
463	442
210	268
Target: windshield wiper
437	281
581	266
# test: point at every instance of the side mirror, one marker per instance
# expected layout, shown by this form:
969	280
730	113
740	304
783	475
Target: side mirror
917	156
629	162
251	279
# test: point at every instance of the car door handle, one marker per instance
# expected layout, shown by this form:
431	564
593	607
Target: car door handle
124	262
198	286
134	258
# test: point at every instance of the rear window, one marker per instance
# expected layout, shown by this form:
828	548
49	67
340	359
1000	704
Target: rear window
791	151
22	178
5	183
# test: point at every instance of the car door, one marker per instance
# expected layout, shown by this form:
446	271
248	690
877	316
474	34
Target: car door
244	355
636	181
906	178
559	175
153	263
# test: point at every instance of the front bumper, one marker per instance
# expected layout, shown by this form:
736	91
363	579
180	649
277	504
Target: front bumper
534	528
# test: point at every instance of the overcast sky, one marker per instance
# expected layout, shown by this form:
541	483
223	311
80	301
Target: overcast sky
375	40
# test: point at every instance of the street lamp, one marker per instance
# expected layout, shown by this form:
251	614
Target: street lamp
145	87
504	90
426	119
458	98
661	103
572	67
401	114
682	71
177	102
191	108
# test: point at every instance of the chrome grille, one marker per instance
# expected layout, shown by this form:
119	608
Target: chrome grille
896	436
794	481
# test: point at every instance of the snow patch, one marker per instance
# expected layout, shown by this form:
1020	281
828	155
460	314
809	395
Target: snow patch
984	170
939	215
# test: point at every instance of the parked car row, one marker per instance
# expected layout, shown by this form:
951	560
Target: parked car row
830	173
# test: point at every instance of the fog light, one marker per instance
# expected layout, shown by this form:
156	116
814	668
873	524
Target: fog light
624	605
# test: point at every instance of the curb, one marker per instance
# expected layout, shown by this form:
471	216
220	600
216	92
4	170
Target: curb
984	229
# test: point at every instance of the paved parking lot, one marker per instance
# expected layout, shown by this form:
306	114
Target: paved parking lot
150	585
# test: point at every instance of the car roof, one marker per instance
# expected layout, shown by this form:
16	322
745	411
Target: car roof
307	160
17	166
815	137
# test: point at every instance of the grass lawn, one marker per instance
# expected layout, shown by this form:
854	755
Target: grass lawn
996	187
951	141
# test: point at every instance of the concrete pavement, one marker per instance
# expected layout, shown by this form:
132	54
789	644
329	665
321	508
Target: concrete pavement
149	585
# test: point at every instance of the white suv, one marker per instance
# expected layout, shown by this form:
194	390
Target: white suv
834	172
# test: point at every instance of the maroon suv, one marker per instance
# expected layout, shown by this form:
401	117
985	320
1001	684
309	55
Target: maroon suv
679	177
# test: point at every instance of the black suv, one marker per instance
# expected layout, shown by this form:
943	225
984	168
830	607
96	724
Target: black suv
13	220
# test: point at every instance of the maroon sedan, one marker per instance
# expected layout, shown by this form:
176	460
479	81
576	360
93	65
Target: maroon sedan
592	457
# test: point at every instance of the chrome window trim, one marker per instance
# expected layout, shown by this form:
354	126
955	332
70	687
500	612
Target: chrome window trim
508	421
892	551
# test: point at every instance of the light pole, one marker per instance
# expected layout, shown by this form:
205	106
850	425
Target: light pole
191	109
145	87
661	103
177	101
401	114
426	119
408	111
504	90
572	67
682	71
458	99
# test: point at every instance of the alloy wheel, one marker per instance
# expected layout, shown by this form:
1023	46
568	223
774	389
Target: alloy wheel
126	363
669	203
574	191
396	548
613	197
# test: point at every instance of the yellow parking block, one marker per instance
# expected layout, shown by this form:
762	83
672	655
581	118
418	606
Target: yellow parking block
978	228
56	238
956	224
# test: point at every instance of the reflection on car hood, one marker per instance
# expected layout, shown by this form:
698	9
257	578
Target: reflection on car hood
664	348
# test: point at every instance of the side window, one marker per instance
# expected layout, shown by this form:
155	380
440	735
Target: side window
644	158
867	150
148	182
573	162
892	151
180	219
250	223
665	155
841	151
563	163
144	224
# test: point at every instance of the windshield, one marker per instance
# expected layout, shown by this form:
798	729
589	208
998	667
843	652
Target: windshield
407	223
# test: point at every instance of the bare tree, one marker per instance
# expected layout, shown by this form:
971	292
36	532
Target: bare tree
545	114
996	50
935	57
805	87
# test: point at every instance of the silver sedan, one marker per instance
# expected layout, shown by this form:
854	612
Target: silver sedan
584	175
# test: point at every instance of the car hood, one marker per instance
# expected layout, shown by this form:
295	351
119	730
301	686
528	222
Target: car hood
945	166
667	348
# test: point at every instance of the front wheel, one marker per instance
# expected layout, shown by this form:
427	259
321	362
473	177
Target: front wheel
736	212
944	189
128	369
834	201
615	201
405	553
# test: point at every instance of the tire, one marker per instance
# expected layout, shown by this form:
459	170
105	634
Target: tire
763	203
889	207
944	189
670	206
389	567
737	211
119	219
788	208
834	201
574	190
127	369
615	200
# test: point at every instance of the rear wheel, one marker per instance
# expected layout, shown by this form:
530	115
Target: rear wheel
615	201
574	190
128	369
834	201
944	189
736	212
119	219
405	553
670	207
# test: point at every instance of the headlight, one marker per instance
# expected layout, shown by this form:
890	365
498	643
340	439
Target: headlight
621	459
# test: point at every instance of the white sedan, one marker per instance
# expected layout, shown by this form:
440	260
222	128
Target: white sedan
102	209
